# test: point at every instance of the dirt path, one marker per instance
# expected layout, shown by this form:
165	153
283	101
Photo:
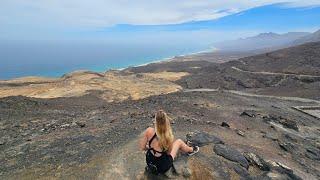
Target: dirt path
274	73
254	95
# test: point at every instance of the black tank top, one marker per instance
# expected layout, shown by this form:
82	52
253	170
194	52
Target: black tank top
161	163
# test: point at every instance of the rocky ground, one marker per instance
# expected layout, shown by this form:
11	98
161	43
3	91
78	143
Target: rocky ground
65	138
239	116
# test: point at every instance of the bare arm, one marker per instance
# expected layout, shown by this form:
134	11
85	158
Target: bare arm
144	140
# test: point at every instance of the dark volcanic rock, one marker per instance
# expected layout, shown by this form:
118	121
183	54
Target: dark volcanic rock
81	124
283	170
313	153
287	123
241	171
202	138
287	146
248	113
256	160
291	138
231	154
224	124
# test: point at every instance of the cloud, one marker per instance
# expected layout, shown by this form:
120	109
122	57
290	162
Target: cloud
309	3
101	13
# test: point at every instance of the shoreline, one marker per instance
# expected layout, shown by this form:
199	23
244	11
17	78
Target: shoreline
212	49
110	69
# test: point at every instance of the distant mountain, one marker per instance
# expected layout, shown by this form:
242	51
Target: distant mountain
263	41
314	37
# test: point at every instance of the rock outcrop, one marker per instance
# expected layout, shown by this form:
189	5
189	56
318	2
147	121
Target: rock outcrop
202	138
231	154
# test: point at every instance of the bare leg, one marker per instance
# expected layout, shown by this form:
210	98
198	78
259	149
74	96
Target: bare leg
179	144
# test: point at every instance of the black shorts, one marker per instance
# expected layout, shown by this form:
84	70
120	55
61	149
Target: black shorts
161	164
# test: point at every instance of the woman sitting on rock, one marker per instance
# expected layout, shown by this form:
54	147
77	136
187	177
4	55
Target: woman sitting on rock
160	147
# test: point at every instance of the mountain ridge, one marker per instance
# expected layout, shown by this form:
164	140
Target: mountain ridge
269	40
313	37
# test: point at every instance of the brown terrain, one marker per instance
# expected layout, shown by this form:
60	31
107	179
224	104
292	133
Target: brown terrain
113	85
256	117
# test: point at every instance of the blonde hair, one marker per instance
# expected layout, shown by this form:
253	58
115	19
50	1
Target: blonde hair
163	130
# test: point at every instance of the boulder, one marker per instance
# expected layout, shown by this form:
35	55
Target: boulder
256	160
224	124
202	138
248	113
231	154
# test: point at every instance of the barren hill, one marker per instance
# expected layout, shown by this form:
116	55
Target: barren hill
314	37
293	71
302	59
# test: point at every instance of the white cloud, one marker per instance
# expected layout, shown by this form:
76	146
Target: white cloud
101	13
304	3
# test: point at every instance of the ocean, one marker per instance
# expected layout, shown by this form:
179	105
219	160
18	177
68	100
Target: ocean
53	59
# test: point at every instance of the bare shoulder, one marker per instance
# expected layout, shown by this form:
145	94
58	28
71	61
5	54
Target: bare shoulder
149	132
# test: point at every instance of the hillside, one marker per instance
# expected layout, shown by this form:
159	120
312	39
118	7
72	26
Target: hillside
292	71
303	59
314	37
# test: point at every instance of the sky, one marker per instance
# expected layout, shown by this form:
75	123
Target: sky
121	20
53	37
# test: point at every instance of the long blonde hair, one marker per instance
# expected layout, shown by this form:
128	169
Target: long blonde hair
163	130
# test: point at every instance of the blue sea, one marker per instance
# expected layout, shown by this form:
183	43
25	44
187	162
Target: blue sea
53	59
